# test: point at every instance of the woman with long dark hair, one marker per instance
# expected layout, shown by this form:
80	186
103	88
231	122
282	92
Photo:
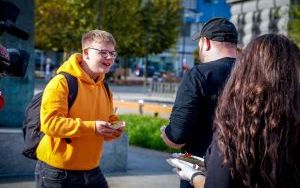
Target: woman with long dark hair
256	130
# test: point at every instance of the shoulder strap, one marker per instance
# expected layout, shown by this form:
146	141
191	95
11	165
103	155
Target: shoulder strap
107	89
73	88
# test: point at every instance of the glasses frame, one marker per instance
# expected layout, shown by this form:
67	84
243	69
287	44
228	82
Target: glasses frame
105	53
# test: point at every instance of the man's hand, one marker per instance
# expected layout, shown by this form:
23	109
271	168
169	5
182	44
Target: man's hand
182	168
104	129
186	172
167	140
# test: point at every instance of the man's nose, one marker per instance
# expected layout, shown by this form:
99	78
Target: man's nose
109	56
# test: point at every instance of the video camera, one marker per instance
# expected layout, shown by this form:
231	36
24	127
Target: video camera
13	62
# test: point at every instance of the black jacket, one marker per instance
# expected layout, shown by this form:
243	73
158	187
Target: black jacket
193	112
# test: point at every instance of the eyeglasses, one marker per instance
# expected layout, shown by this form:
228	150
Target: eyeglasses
105	53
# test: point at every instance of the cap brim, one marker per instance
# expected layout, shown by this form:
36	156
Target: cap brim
196	36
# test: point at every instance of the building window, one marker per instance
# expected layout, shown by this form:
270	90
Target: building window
186	30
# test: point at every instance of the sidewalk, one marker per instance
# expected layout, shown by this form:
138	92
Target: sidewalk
146	168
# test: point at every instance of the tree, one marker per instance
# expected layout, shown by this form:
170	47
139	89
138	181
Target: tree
161	20
120	18
59	24
294	24
141	27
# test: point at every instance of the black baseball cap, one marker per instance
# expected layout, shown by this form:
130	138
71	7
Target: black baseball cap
218	29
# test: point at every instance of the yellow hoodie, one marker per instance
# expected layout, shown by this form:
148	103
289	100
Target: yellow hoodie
92	103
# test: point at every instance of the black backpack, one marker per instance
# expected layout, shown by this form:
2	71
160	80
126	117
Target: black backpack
31	125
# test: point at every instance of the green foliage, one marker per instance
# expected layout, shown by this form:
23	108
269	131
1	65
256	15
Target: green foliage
120	18
294	24
161	20
59	24
140	27
144	131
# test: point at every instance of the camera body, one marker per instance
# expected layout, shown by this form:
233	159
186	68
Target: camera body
13	62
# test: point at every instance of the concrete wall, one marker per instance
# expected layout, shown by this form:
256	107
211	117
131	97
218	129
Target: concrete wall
14	164
18	92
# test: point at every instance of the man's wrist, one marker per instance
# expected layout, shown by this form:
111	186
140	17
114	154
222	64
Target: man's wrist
194	175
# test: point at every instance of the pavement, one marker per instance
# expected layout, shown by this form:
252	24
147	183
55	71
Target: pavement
146	168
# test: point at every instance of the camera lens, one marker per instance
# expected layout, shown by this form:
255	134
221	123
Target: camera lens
18	62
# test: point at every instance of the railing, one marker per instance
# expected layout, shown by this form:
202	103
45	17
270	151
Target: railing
162	89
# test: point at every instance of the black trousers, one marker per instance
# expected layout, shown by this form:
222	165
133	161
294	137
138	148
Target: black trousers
47	176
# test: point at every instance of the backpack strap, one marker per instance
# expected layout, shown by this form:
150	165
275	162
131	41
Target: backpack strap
107	89
73	88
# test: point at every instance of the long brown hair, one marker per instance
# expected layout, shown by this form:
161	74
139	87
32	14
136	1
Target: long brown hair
255	118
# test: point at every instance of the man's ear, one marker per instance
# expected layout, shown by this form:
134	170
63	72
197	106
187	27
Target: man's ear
207	44
86	54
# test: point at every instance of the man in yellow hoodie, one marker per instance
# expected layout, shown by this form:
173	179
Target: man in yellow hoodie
87	124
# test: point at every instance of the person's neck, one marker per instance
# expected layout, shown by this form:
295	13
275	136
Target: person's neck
86	69
221	54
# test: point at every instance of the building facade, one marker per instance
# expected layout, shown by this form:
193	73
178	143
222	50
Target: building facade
195	13
257	17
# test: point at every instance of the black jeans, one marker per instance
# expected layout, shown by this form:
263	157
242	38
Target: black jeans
49	177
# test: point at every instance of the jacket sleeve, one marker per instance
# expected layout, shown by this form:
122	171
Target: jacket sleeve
54	112
185	111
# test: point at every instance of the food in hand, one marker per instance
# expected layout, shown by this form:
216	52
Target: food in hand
191	159
118	125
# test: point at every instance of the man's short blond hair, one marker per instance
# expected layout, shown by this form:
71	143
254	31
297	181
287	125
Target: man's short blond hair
98	36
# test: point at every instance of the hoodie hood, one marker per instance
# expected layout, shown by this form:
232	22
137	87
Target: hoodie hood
73	67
